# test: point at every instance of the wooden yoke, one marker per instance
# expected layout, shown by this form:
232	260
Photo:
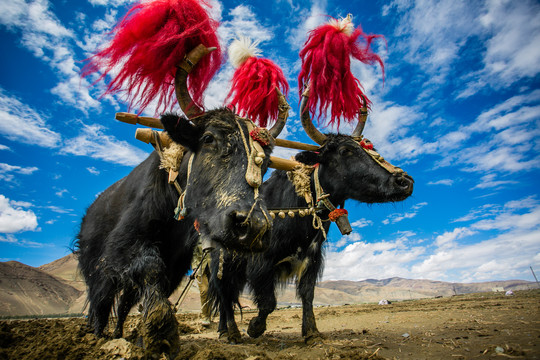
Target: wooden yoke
155	123
145	135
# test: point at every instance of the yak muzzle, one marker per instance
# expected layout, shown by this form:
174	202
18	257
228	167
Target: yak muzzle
404	183
250	228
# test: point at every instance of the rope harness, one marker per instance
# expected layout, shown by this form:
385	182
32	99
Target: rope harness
301	179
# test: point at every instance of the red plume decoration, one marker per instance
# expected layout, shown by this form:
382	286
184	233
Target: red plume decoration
253	91
148	44
326	62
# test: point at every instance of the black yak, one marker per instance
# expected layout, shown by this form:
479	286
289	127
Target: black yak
348	168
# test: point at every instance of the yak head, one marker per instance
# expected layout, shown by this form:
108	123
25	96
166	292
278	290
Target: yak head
352	169
223	204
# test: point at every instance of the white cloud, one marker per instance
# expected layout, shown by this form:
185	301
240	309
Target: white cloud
502	139
362	260
95	143
512	52
115	3
61	192
463	254
397	217
447	239
48	39
512	250
387	127
19	122
447	182
243	22
360	223
491	181
432	35
92	170
308	20
11	239
9	172
14	218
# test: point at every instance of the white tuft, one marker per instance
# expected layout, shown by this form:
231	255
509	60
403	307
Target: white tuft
242	49
345	25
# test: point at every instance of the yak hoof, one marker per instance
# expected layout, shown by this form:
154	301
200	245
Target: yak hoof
256	327
314	337
233	336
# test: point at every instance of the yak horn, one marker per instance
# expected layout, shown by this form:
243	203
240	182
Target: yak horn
312	132
180	80
282	116
362	117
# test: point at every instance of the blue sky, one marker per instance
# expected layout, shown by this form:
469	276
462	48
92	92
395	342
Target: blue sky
459	111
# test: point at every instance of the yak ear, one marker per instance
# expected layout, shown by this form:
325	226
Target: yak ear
181	130
308	157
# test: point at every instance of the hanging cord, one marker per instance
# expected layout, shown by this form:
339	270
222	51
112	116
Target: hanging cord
180	212
253	174
319	193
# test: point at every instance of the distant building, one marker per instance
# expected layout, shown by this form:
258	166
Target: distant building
497	289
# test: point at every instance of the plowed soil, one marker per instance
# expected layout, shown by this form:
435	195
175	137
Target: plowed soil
475	326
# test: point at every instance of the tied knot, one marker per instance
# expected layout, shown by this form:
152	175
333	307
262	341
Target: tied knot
261	135
336	214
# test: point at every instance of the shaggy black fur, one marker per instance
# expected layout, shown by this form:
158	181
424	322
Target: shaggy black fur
346	172
131	248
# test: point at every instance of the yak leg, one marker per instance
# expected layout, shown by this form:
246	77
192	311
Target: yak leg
265	298
159	328
223	293
306	291
227	279
126	302
227	324
101	298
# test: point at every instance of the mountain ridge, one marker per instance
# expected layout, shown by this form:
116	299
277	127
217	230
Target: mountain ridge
58	288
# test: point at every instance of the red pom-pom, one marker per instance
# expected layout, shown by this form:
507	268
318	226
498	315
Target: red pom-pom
253	92
337	213
366	145
261	135
326	62
148	44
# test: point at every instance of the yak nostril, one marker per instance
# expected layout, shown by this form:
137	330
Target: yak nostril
404	181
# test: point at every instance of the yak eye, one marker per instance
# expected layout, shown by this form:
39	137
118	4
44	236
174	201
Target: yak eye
207	138
345	151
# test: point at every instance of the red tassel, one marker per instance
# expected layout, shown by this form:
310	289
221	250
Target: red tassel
253	92
336	214
148	44
326	62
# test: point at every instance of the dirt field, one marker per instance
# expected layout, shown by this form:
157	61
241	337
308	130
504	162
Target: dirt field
477	326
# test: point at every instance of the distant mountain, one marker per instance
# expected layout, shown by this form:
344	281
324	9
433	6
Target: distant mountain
396	289
25	290
66	269
58	287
